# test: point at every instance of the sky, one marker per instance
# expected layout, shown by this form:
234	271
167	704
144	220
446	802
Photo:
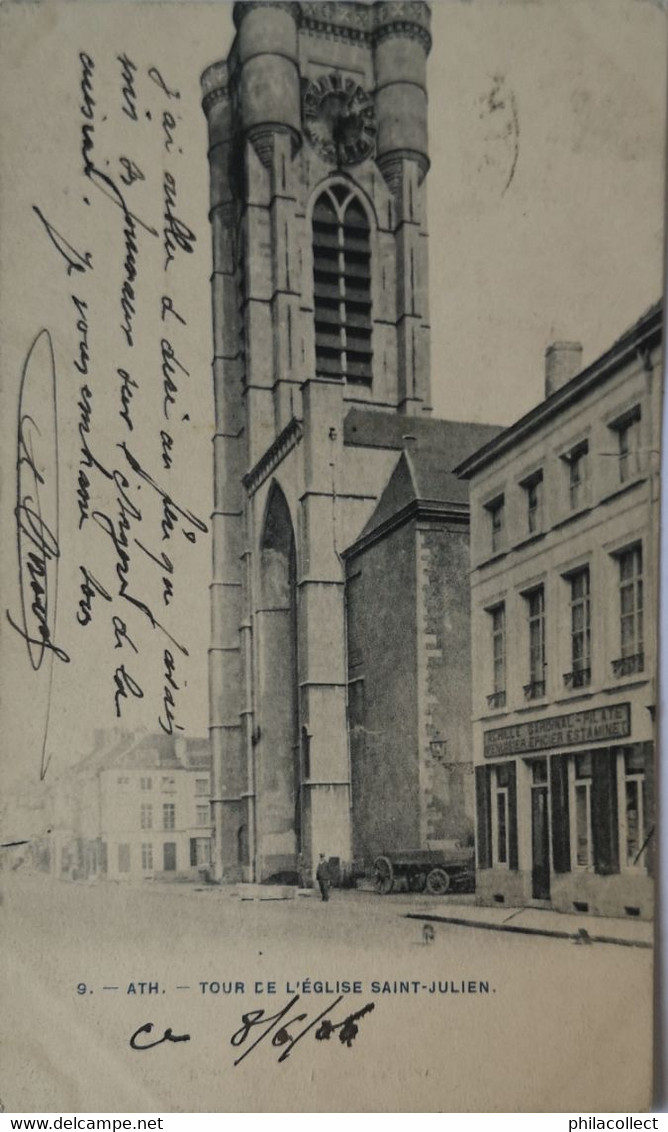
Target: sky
546	223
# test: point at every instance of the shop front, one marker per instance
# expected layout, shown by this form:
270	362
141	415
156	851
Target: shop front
565	813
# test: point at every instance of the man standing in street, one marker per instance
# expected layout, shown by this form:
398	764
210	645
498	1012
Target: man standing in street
322	877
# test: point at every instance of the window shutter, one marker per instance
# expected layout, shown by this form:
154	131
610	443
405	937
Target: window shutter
561	834
193	851
649	856
342	286
604	821
483	817
512	816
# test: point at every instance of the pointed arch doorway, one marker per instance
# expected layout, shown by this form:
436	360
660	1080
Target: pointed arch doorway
278	761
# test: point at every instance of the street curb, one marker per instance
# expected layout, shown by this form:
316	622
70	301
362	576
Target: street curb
553	933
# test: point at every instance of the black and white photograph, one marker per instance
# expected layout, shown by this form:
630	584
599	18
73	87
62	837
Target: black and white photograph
332	364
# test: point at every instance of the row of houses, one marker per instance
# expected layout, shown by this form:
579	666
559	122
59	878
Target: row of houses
564	509
507	691
135	807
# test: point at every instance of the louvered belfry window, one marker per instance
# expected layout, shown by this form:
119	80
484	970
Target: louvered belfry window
342	286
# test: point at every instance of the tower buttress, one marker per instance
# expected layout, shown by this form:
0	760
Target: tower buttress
318	156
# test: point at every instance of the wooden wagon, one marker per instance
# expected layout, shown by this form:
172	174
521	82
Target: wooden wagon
430	870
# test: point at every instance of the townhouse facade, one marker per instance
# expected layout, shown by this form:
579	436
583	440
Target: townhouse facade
135	808
564	592
155	812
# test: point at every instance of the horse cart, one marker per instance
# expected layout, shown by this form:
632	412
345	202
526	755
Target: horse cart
426	870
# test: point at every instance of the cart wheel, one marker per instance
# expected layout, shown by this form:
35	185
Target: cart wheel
417	881
438	882
384	875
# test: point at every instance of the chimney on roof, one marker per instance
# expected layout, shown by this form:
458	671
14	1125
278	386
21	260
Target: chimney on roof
562	361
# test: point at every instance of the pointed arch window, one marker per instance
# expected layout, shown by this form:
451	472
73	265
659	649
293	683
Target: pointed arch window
342	286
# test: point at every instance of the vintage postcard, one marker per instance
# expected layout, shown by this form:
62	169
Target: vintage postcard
332	365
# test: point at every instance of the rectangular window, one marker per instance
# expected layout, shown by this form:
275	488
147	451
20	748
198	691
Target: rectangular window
580	674
124	858
146	784
582	808
146	817
577	462
632	659
628	444
535	600
539	772
123	780
635	807
501	815
147	856
496	512
502	826
169	816
533	489
201	786
203	851
202	815
498	624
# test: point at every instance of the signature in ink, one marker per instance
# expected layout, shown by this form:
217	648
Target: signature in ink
36	511
278	1025
168	1036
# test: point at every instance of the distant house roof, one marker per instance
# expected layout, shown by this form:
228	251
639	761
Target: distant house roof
152	752
644	333
423	478
167	752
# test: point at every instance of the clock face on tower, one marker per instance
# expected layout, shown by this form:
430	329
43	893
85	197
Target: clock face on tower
339	120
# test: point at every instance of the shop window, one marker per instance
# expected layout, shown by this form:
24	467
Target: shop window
504	816
582	811
147	856
501	844
496	512
539	772
146	817
169	816
580	608
632	659
634	813
483	802
535	600
342	286
595	832
498	626
560	814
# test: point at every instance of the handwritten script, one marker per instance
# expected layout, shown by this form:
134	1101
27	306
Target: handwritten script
104	500
283	1030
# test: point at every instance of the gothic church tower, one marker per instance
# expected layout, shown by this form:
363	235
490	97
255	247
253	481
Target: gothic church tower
318	156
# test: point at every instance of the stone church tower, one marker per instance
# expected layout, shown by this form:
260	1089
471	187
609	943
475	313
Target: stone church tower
318	157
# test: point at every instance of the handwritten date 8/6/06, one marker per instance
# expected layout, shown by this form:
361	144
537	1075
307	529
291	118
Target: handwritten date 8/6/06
282	1030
